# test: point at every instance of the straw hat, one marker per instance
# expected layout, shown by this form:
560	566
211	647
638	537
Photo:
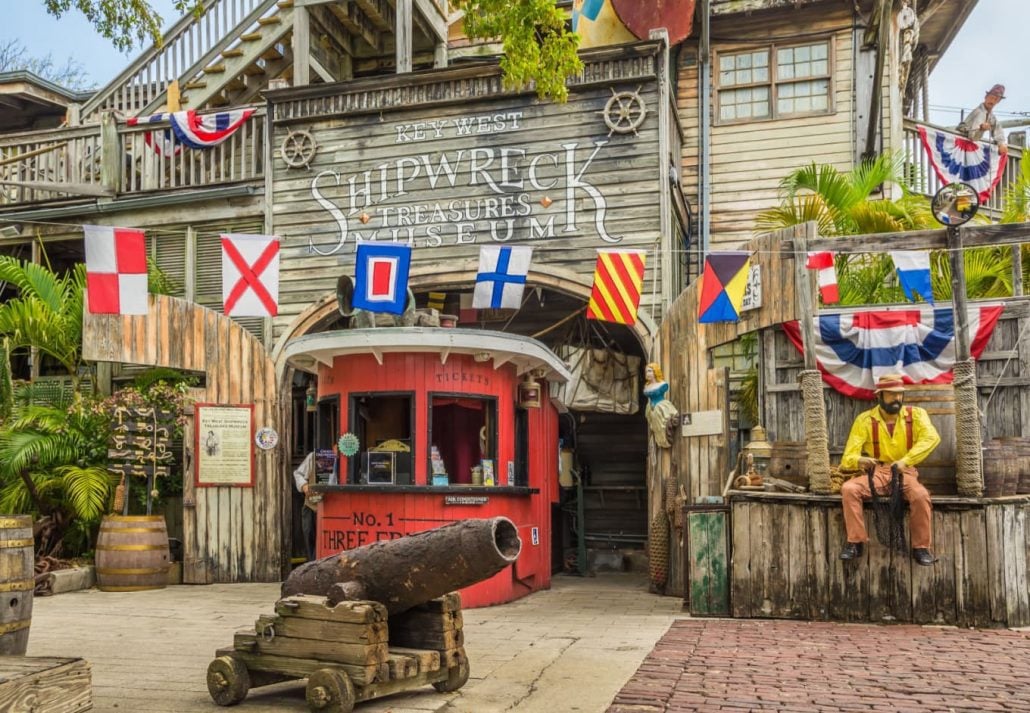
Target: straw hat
997	90
890	382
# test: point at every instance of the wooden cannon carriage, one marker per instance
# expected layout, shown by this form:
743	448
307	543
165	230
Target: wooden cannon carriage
351	652
371	621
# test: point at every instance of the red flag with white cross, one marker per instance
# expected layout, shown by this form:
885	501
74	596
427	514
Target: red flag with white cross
250	275
116	270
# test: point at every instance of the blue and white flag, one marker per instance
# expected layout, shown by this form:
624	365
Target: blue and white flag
502	276
381	277
913	268
854	349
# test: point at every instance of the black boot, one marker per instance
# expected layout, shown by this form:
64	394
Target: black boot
851	551
923	556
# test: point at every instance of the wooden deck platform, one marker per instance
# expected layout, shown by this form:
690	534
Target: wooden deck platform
56	685
784	564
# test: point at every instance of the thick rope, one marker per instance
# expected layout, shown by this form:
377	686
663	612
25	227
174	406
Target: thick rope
816	440
968	473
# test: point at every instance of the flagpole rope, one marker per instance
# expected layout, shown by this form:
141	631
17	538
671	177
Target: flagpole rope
536	247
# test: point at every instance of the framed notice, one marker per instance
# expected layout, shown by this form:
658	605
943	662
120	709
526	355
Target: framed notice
224	448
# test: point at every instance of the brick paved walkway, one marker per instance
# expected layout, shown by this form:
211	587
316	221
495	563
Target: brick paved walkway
763	665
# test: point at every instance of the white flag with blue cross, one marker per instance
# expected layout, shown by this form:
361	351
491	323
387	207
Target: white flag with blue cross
502	276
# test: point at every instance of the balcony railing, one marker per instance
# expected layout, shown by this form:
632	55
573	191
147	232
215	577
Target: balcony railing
111	159
923	179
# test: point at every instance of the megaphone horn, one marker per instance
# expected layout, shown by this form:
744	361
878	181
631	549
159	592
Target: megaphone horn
345	295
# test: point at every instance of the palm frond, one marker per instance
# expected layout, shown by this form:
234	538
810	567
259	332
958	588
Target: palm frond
867	176
86	490
14	497
797	211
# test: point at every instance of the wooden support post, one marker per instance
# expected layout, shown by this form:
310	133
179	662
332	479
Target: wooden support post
884	14
1017	270
958	293
405	19
805	287
110	153
301	47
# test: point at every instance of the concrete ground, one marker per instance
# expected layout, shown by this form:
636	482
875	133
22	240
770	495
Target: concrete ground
566	650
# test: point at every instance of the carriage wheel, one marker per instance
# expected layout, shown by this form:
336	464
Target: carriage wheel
457	677
330	691
227	680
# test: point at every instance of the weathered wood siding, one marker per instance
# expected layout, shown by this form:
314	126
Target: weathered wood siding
749	159
785	565
1003	378
231	534
570	186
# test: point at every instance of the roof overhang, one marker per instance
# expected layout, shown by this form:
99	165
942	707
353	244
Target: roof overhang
525	353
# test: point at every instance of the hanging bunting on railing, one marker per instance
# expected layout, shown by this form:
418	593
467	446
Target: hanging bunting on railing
853	350
203	132
161	141
958	160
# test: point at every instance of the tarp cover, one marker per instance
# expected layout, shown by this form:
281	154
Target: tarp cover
602	380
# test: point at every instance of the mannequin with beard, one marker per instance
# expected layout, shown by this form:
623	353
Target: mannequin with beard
889	436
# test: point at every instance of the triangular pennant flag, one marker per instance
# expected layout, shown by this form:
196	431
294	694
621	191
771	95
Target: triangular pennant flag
913	268
827	276
116	270
250	275
722	287
381	277
618	279
502	276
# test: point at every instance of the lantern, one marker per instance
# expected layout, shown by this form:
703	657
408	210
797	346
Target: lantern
529	392
759	449
311	398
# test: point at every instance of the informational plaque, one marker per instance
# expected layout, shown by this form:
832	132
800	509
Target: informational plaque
224	447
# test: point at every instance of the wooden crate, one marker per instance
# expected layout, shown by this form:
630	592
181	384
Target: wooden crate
30	684
708	556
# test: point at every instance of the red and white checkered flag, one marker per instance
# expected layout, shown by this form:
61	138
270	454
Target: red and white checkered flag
823	262
116	270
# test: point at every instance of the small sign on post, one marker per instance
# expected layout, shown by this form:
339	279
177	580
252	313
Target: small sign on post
753	289
701	423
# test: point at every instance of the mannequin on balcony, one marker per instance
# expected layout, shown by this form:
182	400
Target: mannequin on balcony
982	119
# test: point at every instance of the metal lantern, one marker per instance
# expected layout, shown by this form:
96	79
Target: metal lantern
311	398
529	392
760	450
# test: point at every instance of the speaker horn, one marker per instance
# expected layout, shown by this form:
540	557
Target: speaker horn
345	295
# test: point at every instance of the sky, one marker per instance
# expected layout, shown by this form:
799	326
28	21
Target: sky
991	48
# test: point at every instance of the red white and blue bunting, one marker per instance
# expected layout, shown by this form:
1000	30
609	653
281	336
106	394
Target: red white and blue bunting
187	128
957	159
853	350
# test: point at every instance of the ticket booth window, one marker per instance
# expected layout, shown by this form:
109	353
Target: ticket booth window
463	430
383	424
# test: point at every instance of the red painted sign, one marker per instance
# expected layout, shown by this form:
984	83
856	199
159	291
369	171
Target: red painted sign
676	16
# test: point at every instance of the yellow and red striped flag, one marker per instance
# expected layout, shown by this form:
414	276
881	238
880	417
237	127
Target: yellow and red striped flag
618	279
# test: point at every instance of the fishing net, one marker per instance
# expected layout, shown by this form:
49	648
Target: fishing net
889	511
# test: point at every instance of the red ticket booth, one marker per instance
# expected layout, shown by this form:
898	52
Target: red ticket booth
450	424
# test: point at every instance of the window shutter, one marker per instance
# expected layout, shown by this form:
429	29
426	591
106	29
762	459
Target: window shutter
168	250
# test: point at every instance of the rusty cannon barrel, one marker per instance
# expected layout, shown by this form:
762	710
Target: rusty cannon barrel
411	570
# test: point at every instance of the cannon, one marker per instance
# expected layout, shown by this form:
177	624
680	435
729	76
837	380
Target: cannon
409	571
369	622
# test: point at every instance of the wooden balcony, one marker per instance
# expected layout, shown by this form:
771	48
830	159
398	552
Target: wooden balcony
923	179
111	159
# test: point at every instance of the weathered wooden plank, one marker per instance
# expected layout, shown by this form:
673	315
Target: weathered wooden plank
945	569
740	558
300	667
976	609
799	548
54	685
428	660
354	654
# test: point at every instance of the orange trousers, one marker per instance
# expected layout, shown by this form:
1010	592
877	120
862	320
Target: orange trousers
856	490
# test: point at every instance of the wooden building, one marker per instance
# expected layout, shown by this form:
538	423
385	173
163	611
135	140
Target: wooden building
378	120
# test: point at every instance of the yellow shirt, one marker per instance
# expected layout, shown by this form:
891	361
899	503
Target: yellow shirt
892	448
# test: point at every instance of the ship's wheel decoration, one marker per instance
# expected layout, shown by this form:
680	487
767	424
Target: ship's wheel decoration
624	112
298	149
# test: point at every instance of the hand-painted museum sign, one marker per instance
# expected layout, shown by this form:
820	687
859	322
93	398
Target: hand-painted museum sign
507	192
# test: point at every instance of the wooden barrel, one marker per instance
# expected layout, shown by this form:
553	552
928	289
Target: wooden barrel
1019	449
788	460
17	568
132	553
1000	469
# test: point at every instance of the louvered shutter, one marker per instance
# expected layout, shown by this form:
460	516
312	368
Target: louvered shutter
167	248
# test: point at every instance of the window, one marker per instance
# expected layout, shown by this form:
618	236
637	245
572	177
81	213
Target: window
775	82
463	437
383	423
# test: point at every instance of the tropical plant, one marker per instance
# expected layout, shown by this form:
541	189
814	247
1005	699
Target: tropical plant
538	47
53	465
